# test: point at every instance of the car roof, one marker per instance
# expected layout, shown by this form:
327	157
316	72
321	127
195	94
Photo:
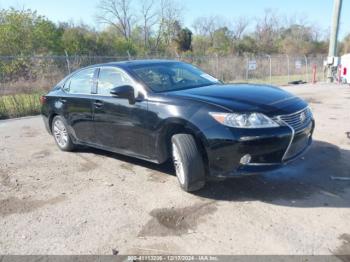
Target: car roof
125	64
130	63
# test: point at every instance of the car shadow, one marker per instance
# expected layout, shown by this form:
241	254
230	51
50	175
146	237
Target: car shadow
319	179
312	181
166	168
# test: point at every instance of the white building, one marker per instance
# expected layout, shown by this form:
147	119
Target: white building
345	68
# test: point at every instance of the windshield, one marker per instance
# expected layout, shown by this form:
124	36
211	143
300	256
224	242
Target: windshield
163	77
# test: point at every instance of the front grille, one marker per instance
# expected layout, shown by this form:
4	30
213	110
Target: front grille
299	120
299	143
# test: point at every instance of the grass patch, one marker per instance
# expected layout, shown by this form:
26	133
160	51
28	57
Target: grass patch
19	105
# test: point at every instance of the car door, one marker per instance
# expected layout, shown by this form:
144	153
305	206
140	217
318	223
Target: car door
119	125
77	103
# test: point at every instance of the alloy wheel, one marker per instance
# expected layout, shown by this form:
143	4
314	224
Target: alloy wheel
60	133
178	165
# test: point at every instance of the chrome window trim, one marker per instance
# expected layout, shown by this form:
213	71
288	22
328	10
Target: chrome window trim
137	86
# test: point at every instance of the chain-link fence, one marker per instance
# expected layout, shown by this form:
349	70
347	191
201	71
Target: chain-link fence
37	73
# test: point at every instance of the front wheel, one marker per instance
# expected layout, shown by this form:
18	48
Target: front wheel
60	134
188	162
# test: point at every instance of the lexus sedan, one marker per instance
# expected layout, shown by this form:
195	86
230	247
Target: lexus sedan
157	110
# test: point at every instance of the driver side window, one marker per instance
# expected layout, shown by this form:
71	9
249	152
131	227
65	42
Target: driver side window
110	78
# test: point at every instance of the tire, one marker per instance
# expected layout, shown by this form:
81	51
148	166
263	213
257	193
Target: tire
61	135
188	162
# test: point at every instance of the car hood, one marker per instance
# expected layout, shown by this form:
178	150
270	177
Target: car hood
266	99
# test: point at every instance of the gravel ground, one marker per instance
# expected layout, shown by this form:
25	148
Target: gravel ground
91	202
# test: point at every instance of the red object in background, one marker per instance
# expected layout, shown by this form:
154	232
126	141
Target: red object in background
344	71
339	74
314	71
42	100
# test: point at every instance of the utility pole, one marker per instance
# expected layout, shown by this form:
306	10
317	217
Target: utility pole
333	41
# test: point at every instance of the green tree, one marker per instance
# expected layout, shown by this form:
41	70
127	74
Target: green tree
296	39
200	44
79	41
47	37
26	33
246	45
183	40
222	39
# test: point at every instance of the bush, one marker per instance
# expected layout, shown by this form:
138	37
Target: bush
19	105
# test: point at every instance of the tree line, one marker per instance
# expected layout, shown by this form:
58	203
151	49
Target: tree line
145	27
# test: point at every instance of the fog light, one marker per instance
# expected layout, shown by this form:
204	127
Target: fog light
246	159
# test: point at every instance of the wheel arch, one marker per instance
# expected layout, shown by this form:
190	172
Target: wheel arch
51	117
173	126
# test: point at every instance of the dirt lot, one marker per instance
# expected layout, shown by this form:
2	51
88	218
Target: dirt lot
90	201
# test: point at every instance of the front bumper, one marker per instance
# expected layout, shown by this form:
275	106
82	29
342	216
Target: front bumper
269	148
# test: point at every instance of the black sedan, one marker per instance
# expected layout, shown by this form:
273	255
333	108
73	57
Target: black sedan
158	110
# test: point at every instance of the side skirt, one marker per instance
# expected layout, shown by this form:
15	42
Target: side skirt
117	151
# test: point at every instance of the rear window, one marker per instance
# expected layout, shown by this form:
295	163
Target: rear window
81	82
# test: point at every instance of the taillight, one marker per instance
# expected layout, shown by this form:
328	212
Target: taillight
42	100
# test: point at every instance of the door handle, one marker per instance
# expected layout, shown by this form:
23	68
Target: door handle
98	104
62	100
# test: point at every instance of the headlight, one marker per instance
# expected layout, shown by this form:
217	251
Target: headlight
245	120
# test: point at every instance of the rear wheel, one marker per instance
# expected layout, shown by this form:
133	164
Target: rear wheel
188	162
60	134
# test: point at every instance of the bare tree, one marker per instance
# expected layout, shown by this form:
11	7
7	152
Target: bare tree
310	28
206	26
295	19
345	44
118	14
149	19
239	26
267	31
170	14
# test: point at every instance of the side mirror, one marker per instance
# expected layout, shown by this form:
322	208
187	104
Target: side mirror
125	91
